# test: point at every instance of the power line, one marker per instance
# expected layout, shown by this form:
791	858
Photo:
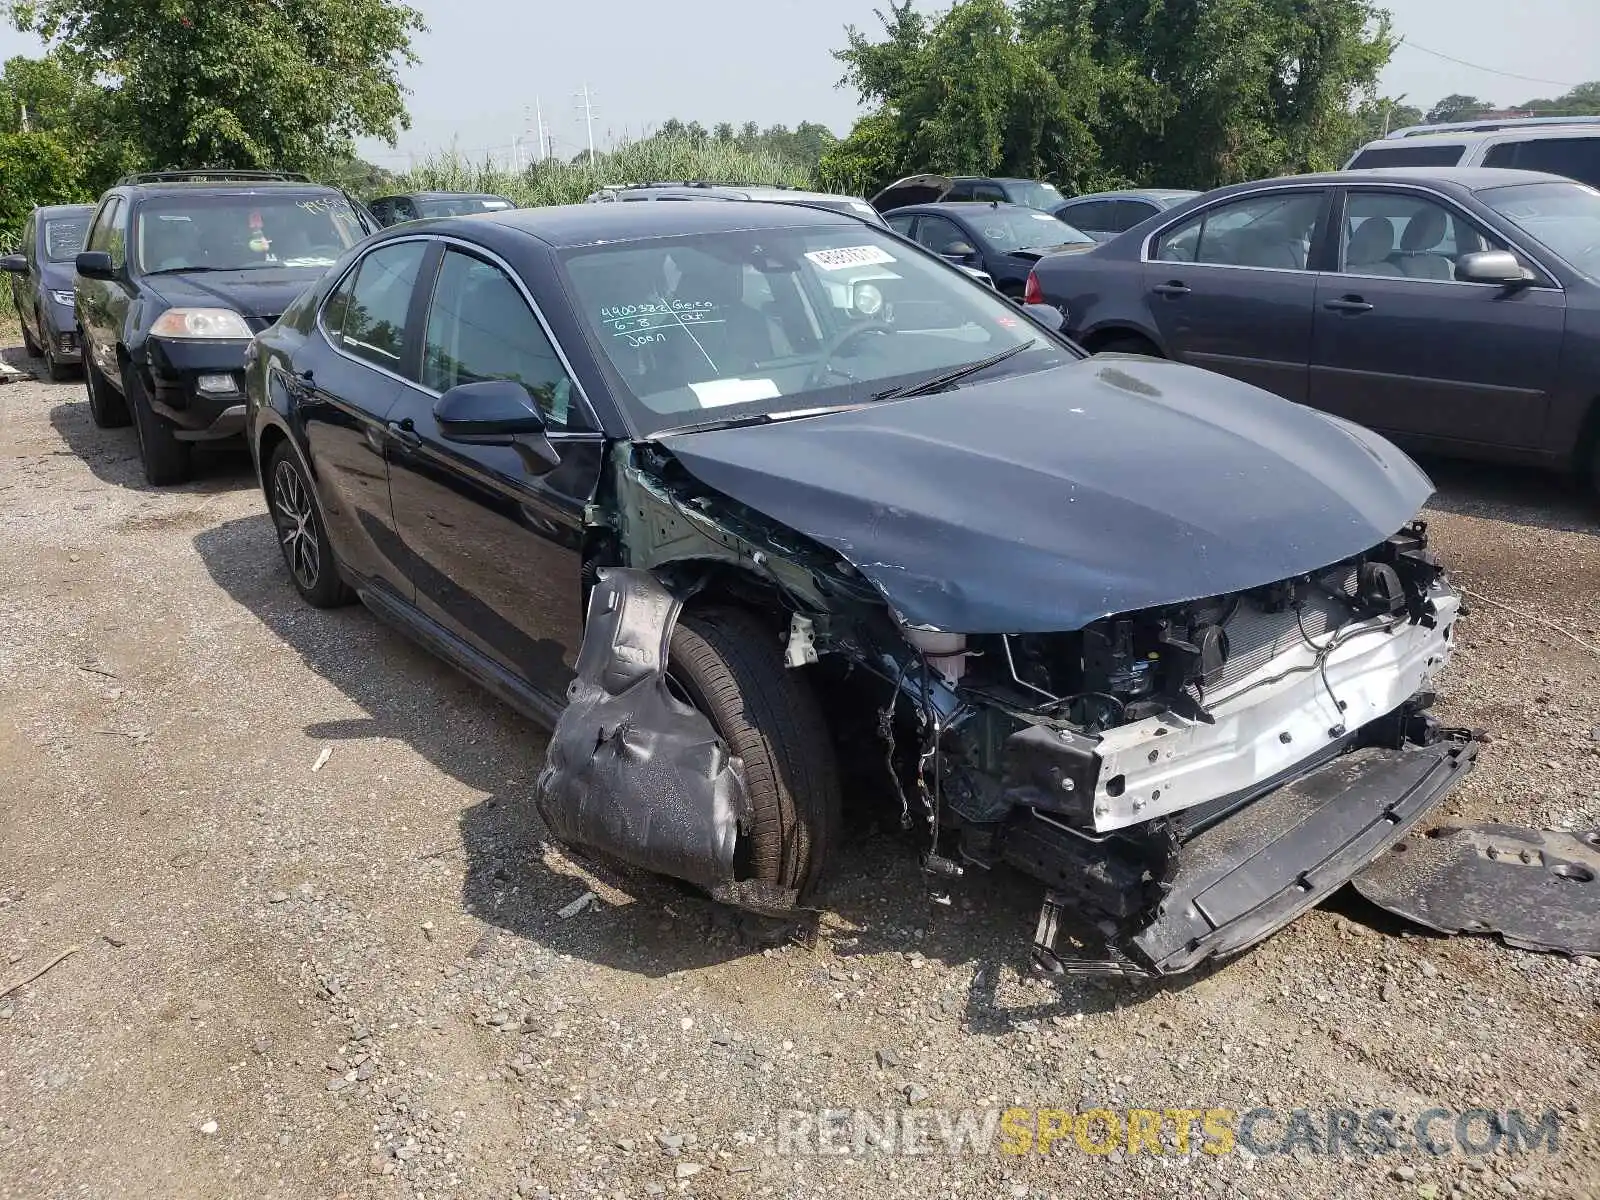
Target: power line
1461	62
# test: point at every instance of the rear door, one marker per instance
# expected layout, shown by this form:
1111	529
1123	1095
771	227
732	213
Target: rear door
346	384
495	550
1401	346
102	303
1230	287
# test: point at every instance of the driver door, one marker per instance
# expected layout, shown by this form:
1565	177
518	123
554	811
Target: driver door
494	550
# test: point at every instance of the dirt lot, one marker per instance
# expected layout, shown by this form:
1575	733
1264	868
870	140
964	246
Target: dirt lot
353	980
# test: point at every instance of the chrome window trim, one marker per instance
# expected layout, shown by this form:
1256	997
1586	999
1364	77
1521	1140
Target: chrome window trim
1151	238
485	253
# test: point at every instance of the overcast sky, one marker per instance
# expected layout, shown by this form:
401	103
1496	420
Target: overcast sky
484	63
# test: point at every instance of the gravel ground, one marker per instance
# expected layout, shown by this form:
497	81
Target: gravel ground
354	980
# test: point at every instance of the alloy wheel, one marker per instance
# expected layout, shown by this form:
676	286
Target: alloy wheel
297	529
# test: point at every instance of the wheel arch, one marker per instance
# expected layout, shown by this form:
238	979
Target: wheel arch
1100	336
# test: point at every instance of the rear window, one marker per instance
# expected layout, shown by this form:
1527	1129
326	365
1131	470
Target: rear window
1401	155
1576	157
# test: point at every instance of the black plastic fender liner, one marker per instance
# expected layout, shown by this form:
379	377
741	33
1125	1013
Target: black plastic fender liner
632	771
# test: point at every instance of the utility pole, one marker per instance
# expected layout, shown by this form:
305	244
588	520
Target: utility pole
588	119
540	131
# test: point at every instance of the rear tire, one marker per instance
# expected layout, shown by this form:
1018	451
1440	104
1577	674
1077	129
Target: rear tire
730	665
302	537
166	459
108	410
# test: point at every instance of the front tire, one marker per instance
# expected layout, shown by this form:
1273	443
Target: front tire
108	410
729	665
166	459
302	537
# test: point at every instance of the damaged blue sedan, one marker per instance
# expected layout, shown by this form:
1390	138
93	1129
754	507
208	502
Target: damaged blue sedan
776	520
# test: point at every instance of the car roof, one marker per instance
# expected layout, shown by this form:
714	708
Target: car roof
438	195
1461	137
62	210
238	187
567	225
1134	194
965	207
1512	125
1472	179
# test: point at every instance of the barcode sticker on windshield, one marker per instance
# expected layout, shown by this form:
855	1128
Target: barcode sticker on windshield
849	256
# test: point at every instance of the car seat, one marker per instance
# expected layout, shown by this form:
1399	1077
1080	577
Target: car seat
1420	257
1371	247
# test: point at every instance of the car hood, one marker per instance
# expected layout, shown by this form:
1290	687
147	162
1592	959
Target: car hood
1042	502
257	292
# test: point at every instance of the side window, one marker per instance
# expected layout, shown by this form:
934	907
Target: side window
1092	216
100	234
1271	231
1130	212
939	234
1576	158
480	327
990	191
959	191
371	304
405	210
1407	236
381	209
902	225
117	234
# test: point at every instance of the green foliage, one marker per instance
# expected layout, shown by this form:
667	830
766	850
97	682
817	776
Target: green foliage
41	95
555	182
1457	107
254	83
1097	92
36	169
804	145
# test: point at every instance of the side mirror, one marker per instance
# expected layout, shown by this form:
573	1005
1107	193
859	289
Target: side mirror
1048	315
496	412
16	264
959	251
96	264
1492	266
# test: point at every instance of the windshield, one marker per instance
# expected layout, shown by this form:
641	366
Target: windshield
740	324
1563	216
243	231
1034	194
461	206
1013	230
63	237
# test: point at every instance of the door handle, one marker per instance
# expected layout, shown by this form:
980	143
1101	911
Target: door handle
1347	304
405	433
1175	288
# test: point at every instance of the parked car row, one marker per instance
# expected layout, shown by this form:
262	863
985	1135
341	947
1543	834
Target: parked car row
1454	309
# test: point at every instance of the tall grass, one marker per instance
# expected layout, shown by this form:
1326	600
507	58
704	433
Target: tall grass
555	182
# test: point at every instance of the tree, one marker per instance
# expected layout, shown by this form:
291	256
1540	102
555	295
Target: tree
36	168
1581	101
40	95
723	133
256	83
1456	107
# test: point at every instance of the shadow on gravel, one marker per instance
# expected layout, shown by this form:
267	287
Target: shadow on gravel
1519	495
113	454
878	900
16	356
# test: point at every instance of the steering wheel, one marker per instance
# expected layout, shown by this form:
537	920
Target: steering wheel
838	342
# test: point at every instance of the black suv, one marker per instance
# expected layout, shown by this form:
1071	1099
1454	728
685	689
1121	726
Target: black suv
179	271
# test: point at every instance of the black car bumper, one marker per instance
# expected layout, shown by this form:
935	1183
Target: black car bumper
61	331
1250	874
198	386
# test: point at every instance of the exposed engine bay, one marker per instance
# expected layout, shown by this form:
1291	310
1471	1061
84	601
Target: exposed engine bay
1183	779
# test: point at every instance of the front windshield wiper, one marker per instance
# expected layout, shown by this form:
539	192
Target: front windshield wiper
950	378
758	419
194	270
